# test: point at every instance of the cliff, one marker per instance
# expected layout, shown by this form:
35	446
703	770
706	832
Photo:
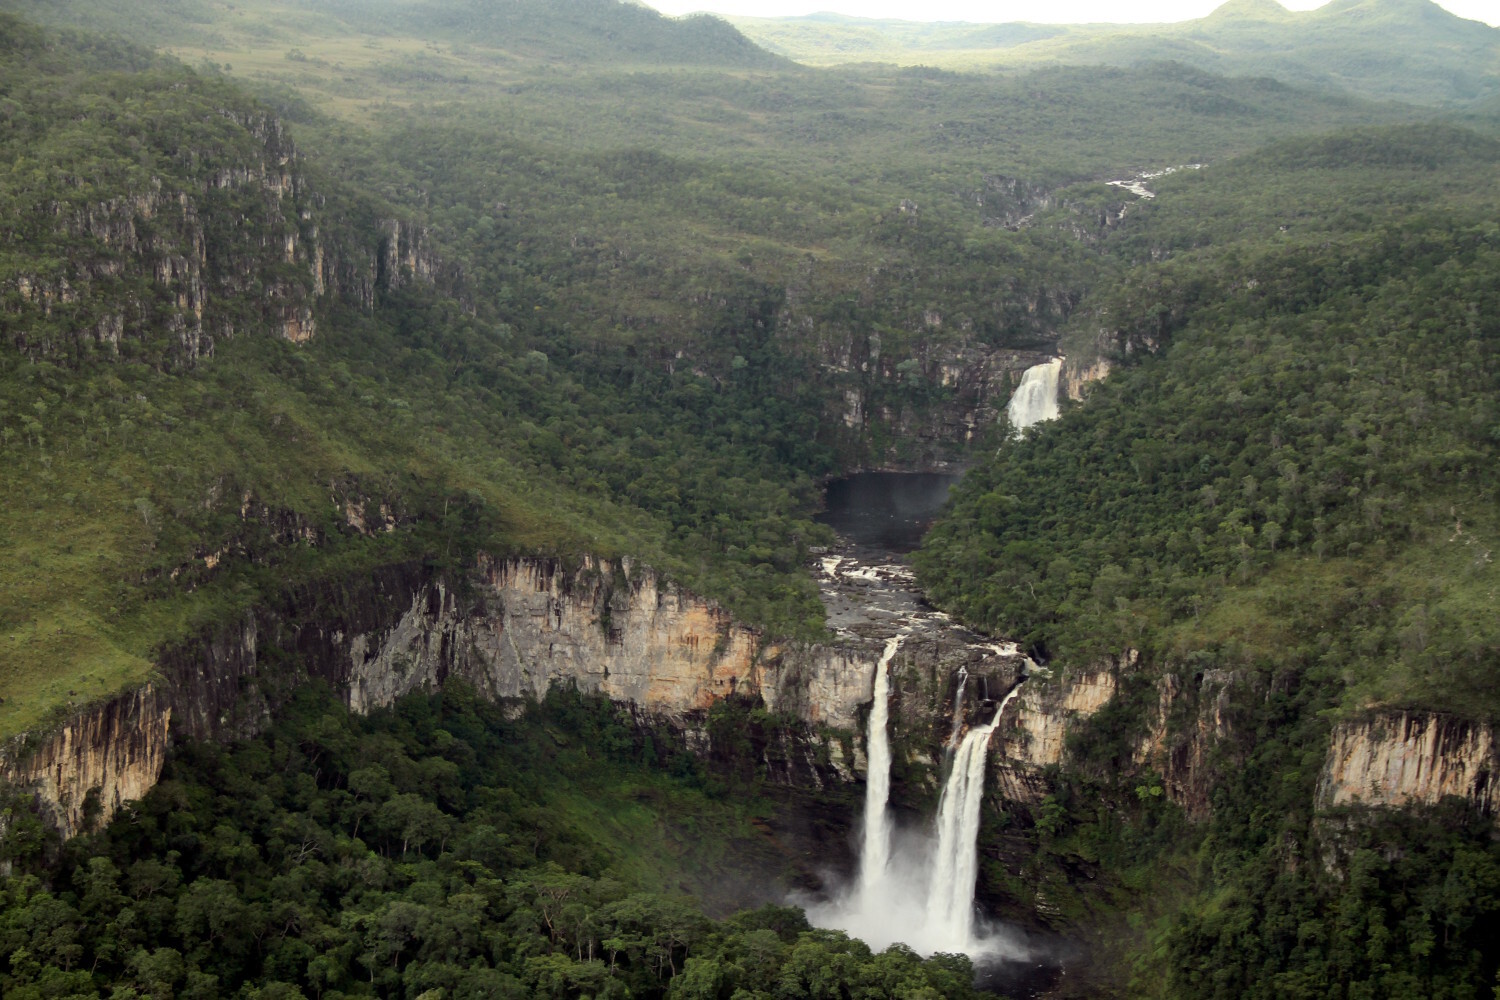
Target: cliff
95	762
160	256
510	627
1411	758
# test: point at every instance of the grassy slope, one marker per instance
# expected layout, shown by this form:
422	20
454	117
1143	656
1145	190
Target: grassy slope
1442	59
776	180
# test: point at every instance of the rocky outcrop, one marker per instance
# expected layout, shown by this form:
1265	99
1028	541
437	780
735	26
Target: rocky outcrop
105	756
1411	758
162	267
1188	722
1078	375
510	627
1033	732
973	381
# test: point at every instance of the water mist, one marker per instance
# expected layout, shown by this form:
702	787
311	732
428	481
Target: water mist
918	889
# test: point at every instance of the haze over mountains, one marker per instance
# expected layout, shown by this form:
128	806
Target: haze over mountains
1411	50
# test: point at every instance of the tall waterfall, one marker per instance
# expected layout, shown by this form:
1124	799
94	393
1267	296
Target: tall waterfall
918	890
955	865
875	856
1035	398
958	707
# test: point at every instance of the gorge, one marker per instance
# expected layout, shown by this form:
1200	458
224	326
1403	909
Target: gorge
534	498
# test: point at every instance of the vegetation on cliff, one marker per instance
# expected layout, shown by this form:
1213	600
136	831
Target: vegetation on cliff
356	291
1287	484
440	847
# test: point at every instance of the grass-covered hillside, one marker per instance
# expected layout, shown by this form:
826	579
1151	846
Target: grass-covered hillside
531	312
1441	59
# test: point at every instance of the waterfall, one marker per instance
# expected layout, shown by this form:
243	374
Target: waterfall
875	856
915	889
958	708
955	866
1035	398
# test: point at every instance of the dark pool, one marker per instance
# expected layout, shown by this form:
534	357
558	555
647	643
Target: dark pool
887	511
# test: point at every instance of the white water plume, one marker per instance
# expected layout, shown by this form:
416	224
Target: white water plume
1035	399
958	708
875	856
915	888
955	867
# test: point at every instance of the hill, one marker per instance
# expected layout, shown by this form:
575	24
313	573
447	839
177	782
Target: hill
1440	58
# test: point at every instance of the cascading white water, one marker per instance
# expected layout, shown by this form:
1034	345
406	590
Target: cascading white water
1035	399
875	855
958	707
919	891
955	865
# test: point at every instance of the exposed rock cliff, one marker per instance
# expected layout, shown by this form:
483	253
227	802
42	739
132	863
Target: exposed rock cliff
1411	758
1078	375
1187	724
879	397
162	262
97	761
1033	732
511	627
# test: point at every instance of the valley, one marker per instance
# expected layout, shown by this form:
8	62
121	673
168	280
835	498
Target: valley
537	498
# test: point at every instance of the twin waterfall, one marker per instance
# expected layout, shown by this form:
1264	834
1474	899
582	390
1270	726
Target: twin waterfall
950	895
919	892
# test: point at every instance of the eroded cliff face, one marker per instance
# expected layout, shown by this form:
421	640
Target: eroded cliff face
530	624
884	397
1411	758
510	627
97	761
1033	732
1190	719
1077	376
164	266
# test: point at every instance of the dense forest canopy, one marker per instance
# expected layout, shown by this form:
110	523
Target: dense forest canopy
569	278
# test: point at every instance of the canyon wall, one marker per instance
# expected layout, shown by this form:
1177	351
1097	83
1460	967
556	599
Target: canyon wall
1411	758
510	627
101	758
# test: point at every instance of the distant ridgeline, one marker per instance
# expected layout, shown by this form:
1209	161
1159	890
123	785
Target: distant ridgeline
1409	50
566	30
542	312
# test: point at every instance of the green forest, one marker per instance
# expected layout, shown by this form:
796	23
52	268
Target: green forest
293	294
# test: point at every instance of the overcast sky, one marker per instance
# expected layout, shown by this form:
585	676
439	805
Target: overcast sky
1040	11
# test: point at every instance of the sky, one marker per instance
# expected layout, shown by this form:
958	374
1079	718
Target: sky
1040	11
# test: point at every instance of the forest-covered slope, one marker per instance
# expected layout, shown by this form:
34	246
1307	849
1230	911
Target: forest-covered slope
1283	493
1442	59
341	299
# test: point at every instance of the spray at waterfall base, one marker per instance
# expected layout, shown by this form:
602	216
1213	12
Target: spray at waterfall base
916	887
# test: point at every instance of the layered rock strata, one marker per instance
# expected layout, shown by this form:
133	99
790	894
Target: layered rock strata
1411	758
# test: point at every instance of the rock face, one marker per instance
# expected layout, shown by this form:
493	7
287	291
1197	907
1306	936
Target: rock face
1033	732
1078	375
165	266
1180	753
634	640
97	761
1411	758
975	383
511	627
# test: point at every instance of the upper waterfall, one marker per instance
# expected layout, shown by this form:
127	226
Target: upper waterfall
1035	399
